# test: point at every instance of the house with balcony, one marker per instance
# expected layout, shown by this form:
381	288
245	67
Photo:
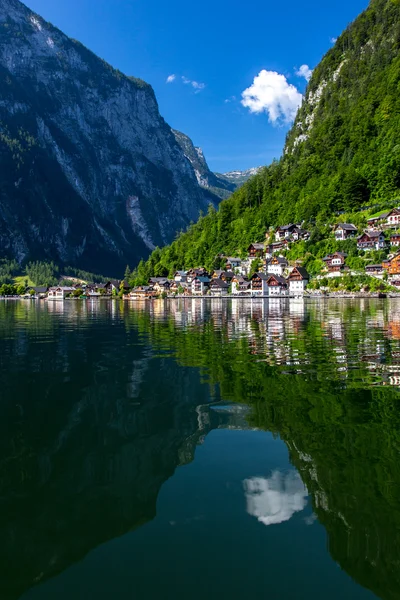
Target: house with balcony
218	287
256	250
378	220
393	218
277	286
335	262
259	285
371	240
344	231
395	239
200	285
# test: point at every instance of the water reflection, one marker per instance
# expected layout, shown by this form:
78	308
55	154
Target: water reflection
101	402
277	499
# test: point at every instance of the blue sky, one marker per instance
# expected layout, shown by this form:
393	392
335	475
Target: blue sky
216	49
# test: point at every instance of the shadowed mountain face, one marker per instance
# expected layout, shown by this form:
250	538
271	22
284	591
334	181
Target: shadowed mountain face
92	174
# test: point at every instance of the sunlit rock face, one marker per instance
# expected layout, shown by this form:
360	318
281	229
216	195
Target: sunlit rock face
91	173
277	499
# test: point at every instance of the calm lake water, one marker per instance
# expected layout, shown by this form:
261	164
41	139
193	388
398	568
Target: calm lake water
197	449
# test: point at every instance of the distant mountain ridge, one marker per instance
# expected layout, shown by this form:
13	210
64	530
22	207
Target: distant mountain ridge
92	175
221	184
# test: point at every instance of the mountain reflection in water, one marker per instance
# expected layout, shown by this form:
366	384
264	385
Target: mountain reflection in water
101	402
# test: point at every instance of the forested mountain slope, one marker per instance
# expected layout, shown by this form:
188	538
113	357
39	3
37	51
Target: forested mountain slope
342	152
91	174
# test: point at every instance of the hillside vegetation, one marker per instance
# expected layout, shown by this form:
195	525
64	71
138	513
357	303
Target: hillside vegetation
342	153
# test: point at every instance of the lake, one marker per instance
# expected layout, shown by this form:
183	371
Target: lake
191	449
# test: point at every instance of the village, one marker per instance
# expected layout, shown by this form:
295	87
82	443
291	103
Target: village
265	270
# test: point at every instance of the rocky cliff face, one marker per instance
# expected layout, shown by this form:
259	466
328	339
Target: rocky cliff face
218	184
92	175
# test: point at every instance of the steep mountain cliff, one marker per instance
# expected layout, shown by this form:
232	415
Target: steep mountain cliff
91	173
222	185
341	153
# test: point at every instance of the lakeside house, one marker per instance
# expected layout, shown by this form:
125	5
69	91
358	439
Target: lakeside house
277	286
371	240
259	285
200	285
218	287
344	231
240	285
180	276
335	262
60	292
142	292
298	280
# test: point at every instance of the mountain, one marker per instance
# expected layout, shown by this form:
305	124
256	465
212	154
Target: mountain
238	178
222	185
341	154
92	175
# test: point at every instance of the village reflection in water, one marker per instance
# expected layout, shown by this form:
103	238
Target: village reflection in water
103	400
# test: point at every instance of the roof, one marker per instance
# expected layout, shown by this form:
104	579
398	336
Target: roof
302	271
230	274
370	234
181	273
262	276
41	289
281	260
219	283
202	279
374	266
113	282
233	259
347	226
286	227
277	278
257	246
381	216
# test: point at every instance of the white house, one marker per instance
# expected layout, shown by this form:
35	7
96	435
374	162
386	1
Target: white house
59	293
298	281
277	285
277	265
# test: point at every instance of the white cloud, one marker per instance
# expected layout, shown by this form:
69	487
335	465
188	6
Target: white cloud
277	499
171	78
333	40
196	85
305	72
271	93
230	99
